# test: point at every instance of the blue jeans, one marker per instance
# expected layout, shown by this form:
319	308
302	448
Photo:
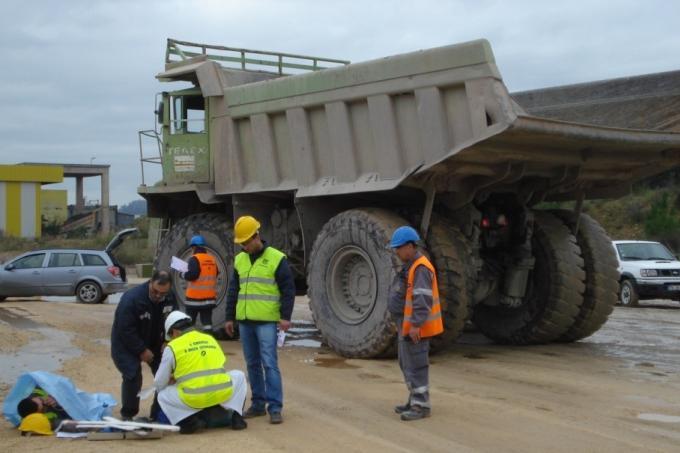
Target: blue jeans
259	349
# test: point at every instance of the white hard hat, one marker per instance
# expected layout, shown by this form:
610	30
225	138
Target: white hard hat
172	319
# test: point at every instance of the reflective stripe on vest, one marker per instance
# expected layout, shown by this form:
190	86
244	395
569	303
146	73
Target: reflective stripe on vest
205	286
259	298
199	370
433	325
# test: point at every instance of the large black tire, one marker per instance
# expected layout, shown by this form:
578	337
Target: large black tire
218	233
89	292
351	268
451	255
602	277
554	293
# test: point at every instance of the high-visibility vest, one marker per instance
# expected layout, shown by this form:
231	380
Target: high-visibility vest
199	371
51	415
205	286
259	297
433	325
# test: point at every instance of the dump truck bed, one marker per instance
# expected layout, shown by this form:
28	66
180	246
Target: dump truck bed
440	117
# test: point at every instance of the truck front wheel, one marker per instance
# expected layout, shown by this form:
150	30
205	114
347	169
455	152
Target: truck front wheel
351	269
554	291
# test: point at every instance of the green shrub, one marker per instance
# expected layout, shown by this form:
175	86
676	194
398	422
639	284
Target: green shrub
663	220
134	250
142	224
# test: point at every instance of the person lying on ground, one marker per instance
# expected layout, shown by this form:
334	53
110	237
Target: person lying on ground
39	401
54	394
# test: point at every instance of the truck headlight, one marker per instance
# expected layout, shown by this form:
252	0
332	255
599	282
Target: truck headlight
649	272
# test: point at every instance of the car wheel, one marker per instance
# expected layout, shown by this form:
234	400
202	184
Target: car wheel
89	292
628	296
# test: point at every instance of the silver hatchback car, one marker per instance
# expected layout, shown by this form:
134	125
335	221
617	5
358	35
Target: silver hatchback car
90	275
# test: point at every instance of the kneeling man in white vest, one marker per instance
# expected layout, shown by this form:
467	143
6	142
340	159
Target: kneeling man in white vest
194	389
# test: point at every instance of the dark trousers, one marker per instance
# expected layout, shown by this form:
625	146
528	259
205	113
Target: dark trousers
129	390
205	314
415	366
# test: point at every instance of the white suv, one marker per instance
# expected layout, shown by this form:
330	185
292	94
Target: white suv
648	270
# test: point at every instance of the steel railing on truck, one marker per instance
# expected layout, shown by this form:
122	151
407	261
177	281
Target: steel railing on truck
247	59
154	135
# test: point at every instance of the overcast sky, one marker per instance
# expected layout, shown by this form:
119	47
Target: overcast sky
77	77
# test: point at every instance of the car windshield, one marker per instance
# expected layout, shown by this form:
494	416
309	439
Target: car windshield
644	251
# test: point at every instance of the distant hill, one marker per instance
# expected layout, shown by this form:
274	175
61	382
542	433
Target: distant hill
136	207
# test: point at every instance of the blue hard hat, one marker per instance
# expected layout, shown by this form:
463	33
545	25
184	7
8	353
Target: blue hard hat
197	240
404	235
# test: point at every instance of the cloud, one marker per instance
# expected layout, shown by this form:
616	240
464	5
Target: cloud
77	77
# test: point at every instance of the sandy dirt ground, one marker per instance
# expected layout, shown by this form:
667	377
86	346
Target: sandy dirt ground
618	391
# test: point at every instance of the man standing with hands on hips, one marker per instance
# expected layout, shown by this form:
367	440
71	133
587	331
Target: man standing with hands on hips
414	304
260	297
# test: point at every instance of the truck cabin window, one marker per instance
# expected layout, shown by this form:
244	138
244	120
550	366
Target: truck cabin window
188	115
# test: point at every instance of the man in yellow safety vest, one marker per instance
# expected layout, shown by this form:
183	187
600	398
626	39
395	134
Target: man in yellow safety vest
194	389
260	297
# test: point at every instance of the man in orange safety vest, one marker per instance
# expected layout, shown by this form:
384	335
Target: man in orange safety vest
414	303
201	277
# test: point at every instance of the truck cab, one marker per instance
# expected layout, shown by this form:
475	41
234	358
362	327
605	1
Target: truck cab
185	127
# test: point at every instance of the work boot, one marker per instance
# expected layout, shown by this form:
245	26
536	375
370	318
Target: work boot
237	422
253	412
415	413
402	408
216	416
191	424
275	418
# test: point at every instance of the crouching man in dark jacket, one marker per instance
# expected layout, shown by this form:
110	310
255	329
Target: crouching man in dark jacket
137	336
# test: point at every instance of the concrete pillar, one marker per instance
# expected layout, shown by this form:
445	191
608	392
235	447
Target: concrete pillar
105	202
80	200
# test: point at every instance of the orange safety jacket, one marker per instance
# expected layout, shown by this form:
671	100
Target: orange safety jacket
205	286
433	325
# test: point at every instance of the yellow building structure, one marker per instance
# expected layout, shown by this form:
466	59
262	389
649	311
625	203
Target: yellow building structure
54	206
20	197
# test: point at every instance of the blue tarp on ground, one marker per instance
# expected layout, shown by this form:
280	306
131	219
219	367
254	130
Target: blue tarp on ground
78	405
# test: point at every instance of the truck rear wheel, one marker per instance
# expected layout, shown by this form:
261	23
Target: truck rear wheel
218	233
451	254
350	272
601	276
554	291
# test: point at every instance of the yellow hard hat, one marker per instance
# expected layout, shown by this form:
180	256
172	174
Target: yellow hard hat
245	228
36	423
